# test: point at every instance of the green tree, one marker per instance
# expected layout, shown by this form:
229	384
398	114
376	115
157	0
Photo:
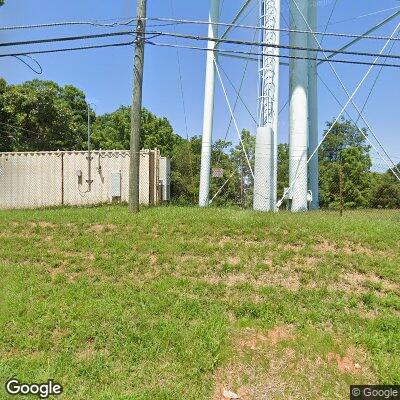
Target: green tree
185	171
345	147
385	192
241	189
113	130
283	168
41	115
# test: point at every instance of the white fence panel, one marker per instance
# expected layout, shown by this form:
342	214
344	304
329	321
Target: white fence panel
31	180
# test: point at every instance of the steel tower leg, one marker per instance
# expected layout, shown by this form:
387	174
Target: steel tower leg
204	193
298	136
266	152
313	107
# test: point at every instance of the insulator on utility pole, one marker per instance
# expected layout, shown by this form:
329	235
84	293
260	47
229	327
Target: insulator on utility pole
204	192
266	152
136	111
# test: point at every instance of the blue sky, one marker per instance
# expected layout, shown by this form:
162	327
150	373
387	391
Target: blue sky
106	75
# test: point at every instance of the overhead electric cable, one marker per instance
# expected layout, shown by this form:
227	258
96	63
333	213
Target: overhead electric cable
351	98
156	34
100	46
288	30
38	72
180	78
352	119
67	38
229	52
186	21
197	38
374	84
65	23
237	96
269	45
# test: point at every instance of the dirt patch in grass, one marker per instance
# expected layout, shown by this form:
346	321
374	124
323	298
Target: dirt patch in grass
363	283
100	228
345	364
42	224
15	235
153	259
289	275
249	377
253	339
289	280
58	334
73	276
326	246
348	249
86	255
234	260
268	364
86	353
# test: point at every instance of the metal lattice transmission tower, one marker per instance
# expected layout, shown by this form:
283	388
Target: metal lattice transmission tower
265	171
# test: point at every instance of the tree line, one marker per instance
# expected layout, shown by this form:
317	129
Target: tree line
41	115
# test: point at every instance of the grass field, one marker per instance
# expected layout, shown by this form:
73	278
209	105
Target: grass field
182	303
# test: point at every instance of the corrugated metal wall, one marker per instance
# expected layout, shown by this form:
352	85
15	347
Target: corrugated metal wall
40	179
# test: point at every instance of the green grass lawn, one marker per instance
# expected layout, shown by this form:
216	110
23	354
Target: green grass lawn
182	303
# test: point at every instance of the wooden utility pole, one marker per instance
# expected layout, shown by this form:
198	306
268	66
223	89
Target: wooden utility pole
136	111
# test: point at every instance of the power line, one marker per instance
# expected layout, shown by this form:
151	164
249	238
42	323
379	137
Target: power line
278	56
174	21
178	58
101	46
227	52
66	23
268	45
351	97
287	30
66	39
374	84
38	72
192	37
237	98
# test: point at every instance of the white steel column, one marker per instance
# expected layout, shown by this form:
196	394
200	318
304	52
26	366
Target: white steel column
266	152
313	107
204	193
298	136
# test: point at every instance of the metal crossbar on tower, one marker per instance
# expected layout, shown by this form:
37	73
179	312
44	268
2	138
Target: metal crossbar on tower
265	171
